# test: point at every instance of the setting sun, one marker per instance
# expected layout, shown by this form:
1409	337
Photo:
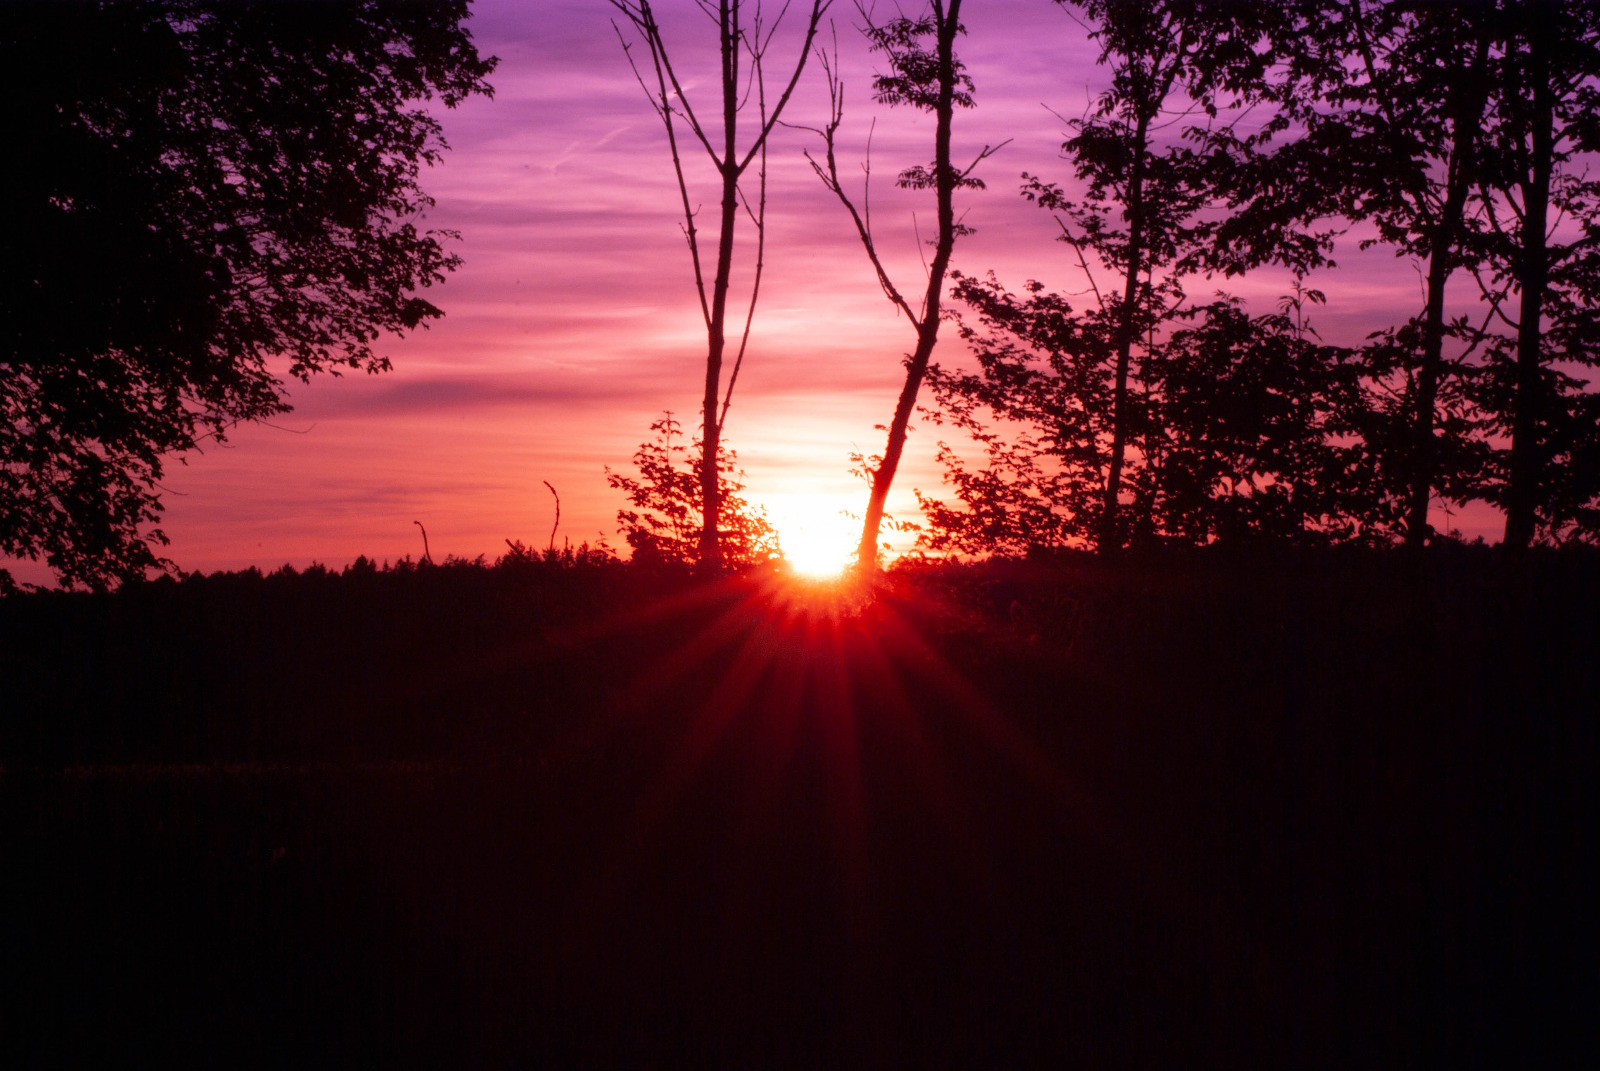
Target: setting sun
818	538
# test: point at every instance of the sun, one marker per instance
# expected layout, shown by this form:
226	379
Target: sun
818	540
816	558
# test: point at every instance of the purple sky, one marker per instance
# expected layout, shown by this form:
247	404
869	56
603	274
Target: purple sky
573	322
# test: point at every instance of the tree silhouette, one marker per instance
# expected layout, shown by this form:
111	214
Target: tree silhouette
1095	395
1114	152
737	41
666	524
1388	100
206	187
930	79
1042	375
1249	436
1242	429
1544	221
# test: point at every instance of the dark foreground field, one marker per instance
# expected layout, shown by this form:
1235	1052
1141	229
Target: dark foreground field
1328	812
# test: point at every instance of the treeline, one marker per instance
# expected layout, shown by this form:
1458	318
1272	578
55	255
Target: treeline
391	661
480	658
1236	137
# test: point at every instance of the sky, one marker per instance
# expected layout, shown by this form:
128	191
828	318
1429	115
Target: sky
573	322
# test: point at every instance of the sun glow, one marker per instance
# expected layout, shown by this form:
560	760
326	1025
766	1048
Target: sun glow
818	540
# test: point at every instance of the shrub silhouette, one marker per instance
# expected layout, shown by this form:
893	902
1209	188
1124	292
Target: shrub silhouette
665	525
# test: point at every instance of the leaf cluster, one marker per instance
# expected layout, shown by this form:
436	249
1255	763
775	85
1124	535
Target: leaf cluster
665	525
1242	428
213	193
913	77
1238	135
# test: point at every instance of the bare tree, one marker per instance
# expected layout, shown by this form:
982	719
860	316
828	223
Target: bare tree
932	81
742	51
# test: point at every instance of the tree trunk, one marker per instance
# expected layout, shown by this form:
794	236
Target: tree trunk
1108	541
928	326
711	428
1440	253
1471	93
1522	495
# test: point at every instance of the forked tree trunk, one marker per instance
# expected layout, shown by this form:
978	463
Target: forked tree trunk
669	98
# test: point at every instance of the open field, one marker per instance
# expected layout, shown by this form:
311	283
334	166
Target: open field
1329	811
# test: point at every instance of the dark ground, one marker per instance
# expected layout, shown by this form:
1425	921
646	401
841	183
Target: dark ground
1335	811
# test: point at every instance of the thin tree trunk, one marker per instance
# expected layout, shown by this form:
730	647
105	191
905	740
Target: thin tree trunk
711	428
928	326
1108	541
1440	255
883	477
1523	494
1442	252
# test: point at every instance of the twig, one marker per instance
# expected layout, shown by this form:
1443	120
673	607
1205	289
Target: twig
426	556
553	527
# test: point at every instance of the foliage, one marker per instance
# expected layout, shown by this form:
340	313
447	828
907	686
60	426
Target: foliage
1454	133
1385	108
520	555
211	194
1247	437
665	525
1081	389
1145	210
1241	429
1541	213
1042	375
